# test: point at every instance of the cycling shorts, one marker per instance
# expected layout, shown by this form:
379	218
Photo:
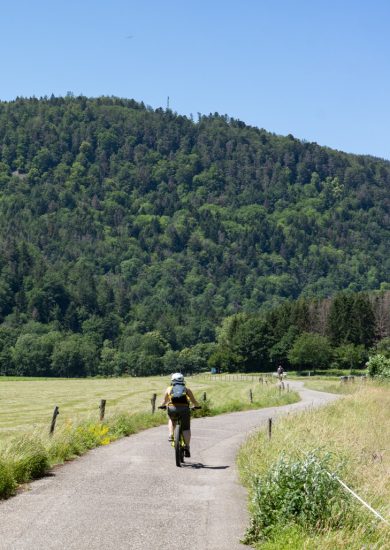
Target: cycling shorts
183	412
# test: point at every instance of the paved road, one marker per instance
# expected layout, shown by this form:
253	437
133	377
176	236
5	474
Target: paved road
130	495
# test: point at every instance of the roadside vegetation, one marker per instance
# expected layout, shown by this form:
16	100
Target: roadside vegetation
294	502
28	452
332	385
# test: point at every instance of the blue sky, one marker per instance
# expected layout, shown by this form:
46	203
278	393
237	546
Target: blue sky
316	69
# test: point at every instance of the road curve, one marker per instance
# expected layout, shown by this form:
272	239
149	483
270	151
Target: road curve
131	496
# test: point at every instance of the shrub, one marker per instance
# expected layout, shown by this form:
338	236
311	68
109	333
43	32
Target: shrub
7	481
295	491
122	425
28	458
204	411
379	365
90	435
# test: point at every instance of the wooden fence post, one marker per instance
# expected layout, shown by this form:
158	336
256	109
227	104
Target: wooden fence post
153	402
250	396
56	412
102	408
269	428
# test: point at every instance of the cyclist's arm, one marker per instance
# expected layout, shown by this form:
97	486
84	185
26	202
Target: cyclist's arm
165	398
192	398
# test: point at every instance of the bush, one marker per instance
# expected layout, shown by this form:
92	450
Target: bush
7	481
379	365
28	458
204	411
295	491
122	425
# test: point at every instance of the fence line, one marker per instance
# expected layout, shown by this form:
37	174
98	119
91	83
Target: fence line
227	377
377	514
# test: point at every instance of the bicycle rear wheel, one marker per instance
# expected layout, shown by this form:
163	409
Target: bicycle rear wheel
178	450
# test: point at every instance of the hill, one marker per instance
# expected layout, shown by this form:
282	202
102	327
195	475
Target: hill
117	220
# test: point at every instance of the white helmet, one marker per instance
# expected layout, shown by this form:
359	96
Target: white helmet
177	377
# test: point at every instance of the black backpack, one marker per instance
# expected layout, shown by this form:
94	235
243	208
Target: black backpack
178	393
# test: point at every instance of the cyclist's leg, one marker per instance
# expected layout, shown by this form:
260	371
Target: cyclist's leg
187	437
171	422
171	428
186	425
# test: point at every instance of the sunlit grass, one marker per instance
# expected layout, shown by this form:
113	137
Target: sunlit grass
335	385
356	432
28	404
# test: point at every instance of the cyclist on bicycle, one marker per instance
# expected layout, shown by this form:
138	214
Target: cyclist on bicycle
280	375
177	398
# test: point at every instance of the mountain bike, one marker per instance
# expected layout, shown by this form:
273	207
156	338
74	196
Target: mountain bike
178	439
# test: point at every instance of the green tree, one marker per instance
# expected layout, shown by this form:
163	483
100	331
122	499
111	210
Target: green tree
112	361
8	337
32	354
311	351
278	353
243	344
351	320
75	356
349	356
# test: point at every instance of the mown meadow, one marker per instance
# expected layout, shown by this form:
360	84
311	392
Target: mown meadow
295	500
26	406
27	403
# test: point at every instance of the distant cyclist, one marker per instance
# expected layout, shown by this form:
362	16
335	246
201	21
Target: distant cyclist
177	398
280	373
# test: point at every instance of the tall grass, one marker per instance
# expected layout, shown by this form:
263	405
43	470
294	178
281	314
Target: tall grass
27	457
353	435
333	385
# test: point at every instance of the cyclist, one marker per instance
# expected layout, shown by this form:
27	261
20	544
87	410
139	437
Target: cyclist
177	398
280	373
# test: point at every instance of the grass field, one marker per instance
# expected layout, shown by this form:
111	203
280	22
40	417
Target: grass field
334	385
27	404
352	437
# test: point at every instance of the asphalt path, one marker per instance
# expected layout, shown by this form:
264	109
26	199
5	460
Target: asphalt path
130	495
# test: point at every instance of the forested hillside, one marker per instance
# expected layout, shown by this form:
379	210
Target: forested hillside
127	231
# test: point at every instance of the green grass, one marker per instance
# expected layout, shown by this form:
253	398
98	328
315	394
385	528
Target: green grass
28	403
335	385
352	436
26	406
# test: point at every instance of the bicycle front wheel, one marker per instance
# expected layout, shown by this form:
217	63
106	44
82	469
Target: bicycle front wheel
177	437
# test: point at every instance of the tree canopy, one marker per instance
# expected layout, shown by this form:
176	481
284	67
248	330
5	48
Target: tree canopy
120	222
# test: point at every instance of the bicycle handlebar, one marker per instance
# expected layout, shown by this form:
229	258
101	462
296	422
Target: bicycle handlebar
163	407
